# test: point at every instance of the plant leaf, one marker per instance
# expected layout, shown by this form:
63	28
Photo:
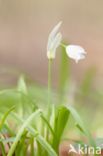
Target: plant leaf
38	137
20	132
5	117
47	123
22	86
60	123
81	125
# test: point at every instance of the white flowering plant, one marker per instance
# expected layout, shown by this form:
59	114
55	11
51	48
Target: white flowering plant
35	120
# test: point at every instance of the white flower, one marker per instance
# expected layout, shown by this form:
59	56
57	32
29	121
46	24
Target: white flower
75	52
54	41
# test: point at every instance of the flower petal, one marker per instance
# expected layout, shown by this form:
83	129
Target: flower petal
53	34
56	42
75	52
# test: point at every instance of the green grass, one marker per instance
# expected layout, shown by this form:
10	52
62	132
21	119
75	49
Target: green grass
28	127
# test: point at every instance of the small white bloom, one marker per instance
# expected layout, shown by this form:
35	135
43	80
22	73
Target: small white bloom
54	41
75	52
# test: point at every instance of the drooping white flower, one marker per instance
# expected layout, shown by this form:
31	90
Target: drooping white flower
54	41
75	52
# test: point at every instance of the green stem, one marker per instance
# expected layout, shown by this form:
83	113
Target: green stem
49	81
49	95
32	149
63	45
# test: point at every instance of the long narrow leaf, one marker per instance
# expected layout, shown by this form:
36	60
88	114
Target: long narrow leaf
19	134
47	123
2	149
81	125
5	117
60	123
38	137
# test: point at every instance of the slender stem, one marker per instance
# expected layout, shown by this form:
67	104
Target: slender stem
49	81
32	147
49	95
63	45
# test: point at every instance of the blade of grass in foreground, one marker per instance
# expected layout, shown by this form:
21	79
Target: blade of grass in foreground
48	125
38	137
60	123
5	117
19	134
2	149
81	125
22	86
22	147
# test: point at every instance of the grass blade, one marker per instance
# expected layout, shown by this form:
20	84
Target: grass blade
81	125
19	134
47	123
60	123
22	86
2	149
5	117
38	137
